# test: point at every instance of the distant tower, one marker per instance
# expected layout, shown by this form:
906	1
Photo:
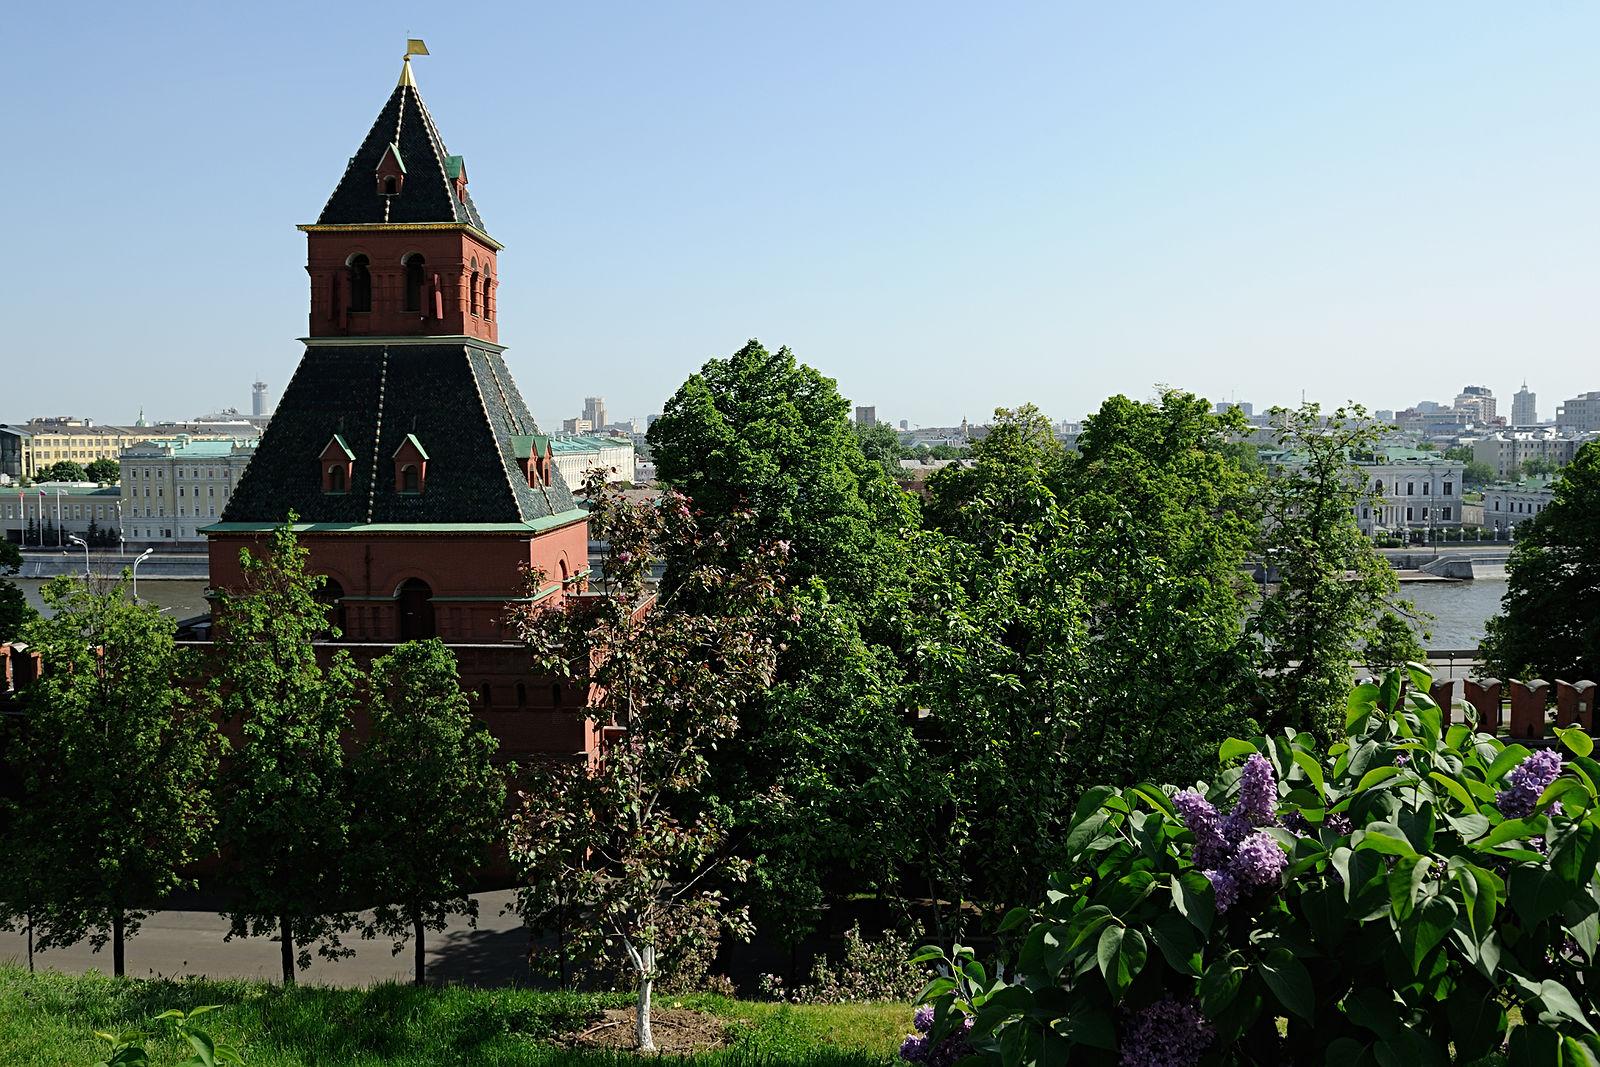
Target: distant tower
594	409
1524	407
866	417
258	399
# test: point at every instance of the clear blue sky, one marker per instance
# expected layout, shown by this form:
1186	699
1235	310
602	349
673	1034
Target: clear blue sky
947	207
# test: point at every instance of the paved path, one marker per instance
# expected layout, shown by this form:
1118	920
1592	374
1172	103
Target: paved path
191	942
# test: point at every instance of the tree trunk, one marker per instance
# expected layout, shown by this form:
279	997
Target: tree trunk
422	956
117	959
287	945
30	941
647	977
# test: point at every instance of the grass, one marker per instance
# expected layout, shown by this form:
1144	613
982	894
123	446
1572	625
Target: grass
49	1019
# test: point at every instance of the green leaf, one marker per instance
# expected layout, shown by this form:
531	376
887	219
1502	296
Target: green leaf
1347	1052
1121	953
1156	798
1359	707
1289	981
1308	763
1429	925
1578	742
1178	942
1016	917
1389	691
1195	900
1421	676
1376	775
1234	747
1219	986
1373	841
1557	788
1510	830
1508	758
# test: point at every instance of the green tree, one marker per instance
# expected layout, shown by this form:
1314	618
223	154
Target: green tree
428	800
15	611
1020	457
285	817
1476	474
116	763
623	852
1539	467
1334	601
881	445
104	470
1549	620
64	470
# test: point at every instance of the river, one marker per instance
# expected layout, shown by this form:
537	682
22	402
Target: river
184	598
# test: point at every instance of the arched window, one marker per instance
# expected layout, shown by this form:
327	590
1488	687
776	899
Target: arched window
415	601
336	478
522	697
414	265
408	479
331	597
477	302
484	695
360	283
488	308
564	574
389	186
555	695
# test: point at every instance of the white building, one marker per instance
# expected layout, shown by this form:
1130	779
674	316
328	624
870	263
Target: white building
1508	450
1506	505
1411	492
576	456
1582	412
171	491
1524	408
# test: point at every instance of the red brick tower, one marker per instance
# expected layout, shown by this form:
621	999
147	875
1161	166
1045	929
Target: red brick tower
421	482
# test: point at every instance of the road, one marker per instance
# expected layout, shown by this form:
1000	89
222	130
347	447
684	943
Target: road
172	943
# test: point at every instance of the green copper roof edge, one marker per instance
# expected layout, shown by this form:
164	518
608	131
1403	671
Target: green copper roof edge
565	518
392	342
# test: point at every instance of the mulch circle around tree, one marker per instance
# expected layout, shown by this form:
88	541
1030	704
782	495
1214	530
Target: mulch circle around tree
676	1030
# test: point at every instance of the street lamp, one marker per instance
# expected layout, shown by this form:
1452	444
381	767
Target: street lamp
59	523
142	557
88	572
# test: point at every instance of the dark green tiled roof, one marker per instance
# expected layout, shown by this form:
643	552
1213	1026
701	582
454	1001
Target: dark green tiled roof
459	398
429	192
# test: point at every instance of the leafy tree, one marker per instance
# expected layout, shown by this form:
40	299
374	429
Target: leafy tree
64	470
428	800
1475	474
622	852
104	470
1020	456
1549	620
760	434
15	611
285	817
1335	597
1539	467
881	445
116	763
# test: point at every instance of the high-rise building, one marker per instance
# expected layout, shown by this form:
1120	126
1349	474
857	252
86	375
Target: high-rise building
1524	411
866	417
258	399
1478	400
594	409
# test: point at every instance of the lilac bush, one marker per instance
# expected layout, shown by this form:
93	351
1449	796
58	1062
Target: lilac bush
1528	780
919	1047
1234	857
1172	1032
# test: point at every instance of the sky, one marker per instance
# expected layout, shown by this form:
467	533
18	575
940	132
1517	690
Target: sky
946	207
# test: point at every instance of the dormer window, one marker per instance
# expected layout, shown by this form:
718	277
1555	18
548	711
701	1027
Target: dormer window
391	173
410	466
391	186
336	466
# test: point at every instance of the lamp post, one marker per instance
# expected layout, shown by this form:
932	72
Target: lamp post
146	554
122	543
59	531
88	571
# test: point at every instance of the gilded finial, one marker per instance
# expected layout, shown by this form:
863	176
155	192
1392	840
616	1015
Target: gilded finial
414	47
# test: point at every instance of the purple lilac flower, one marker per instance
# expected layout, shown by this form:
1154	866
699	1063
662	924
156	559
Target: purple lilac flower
1259	861
1528	779
1235	828
1168	1033
914	1048
955	1046
1338	822
1203	821
1258	792
922	1019
1225	887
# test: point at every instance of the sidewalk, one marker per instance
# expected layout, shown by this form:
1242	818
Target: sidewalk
174	943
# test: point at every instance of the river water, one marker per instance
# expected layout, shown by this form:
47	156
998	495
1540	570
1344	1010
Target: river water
1460	608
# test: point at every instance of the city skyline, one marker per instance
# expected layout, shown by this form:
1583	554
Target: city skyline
1046	205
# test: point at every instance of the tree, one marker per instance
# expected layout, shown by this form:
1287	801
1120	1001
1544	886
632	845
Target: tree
1539	467
15	611
116	762
105	471
63	470
285	817
1334	601
428	800
881	445
1020	456
1549	620
1475	474
623	852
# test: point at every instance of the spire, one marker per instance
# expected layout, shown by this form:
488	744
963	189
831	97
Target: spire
434	189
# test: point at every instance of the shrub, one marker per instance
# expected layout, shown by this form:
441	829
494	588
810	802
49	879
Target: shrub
870	972
1382	903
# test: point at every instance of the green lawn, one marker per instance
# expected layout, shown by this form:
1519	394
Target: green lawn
48	1020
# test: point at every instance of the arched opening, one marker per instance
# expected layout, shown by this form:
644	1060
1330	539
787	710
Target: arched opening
483	695
408	479
416	610
522	697
331	597
564	574
414	265
360	283
389	186
336	478
555	695
488	308
477	303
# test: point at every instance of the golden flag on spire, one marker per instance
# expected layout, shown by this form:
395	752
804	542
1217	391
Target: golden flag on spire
414	47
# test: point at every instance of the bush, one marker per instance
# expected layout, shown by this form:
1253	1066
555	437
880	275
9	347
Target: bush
870	972
1383	903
